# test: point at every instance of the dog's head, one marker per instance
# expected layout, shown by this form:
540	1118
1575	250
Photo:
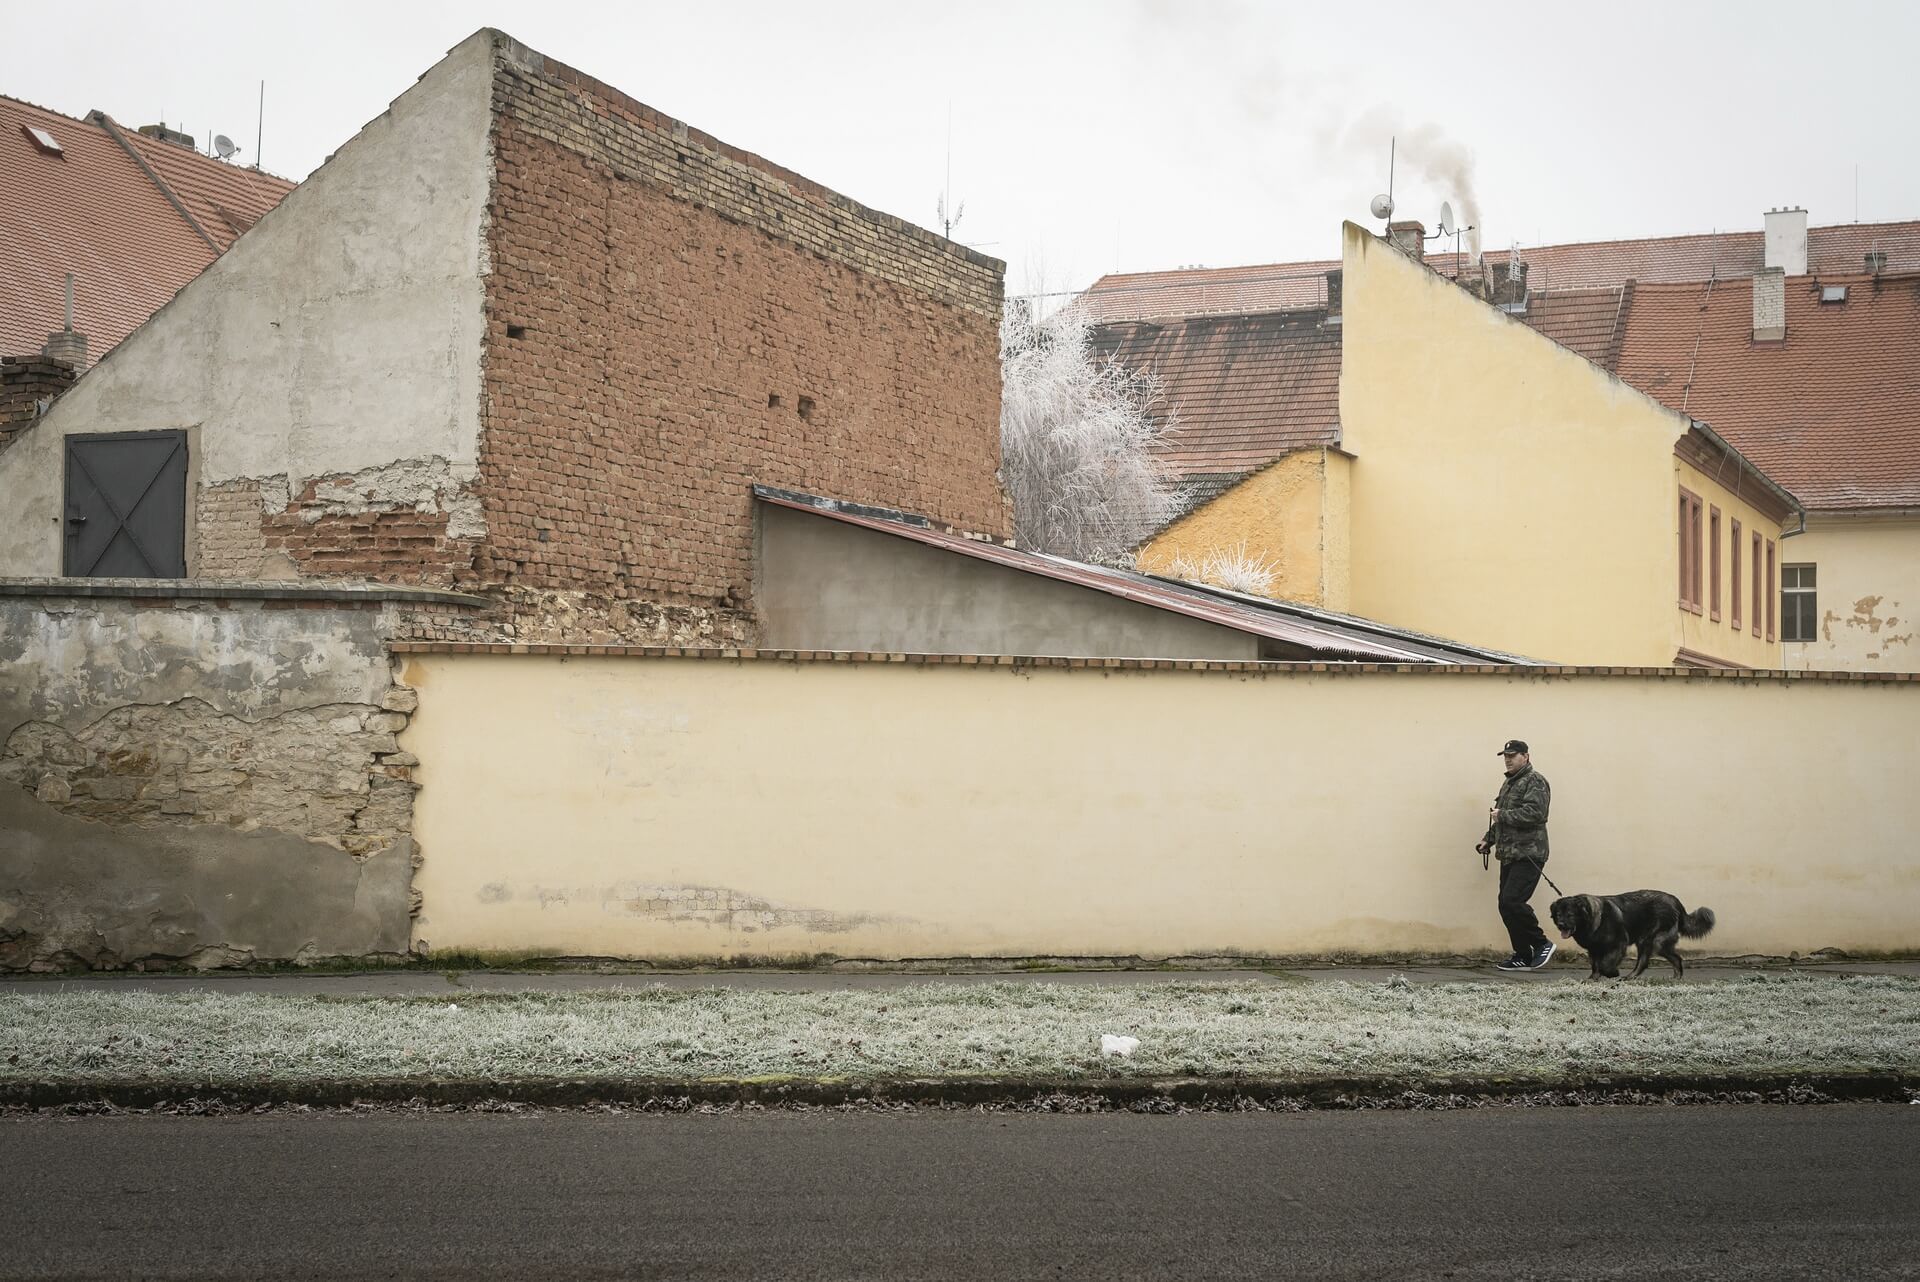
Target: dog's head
1572	914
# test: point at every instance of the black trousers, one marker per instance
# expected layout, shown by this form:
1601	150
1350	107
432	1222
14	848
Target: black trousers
1518	880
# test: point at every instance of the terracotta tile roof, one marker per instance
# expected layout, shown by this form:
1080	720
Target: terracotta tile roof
1589	265
1591	322
1245	389
1832	412
92	211
1202	291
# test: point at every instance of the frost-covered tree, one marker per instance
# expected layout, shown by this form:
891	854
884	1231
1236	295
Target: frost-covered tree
1078	442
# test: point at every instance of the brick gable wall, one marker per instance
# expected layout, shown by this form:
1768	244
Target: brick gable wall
670	321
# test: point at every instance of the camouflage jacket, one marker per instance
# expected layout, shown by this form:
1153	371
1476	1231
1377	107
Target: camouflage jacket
1522	830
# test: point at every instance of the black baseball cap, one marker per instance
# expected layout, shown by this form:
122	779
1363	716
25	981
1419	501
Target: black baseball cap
1513	745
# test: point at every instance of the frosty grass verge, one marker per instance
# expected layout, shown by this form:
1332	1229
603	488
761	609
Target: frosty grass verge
1392	1031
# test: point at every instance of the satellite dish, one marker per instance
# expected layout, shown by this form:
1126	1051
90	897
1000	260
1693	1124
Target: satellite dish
223	146
1446	218
1383	206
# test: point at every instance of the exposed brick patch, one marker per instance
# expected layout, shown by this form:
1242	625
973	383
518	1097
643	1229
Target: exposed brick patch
659	309
385	538
228	539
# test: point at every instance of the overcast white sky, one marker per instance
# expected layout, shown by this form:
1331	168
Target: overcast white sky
1130	135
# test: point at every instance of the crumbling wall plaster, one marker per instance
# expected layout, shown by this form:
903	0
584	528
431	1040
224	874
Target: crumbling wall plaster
202	782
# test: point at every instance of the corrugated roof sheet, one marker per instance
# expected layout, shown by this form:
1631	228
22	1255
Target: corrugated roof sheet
1341	637
91	211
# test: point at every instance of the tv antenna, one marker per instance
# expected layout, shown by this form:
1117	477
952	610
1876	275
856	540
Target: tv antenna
223	147
1382	205
948	212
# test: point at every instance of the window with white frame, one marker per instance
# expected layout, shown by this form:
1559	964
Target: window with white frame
1799	603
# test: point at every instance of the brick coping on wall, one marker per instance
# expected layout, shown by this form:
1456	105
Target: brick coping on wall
233	590
1175	665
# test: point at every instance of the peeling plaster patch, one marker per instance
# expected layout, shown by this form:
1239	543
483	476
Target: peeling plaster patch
314	773
700	905
245	659
429	486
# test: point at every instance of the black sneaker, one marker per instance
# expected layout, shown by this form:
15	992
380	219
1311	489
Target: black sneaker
1515	963
1542	957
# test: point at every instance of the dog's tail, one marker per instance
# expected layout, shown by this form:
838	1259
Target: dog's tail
1696	923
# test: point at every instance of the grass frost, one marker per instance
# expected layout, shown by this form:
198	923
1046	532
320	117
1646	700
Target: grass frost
1757	1024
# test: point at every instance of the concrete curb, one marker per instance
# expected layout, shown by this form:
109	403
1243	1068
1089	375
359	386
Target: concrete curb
1065	1095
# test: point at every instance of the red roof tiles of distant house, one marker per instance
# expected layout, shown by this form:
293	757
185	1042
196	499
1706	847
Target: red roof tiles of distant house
1832	412
1246	389
90	209
1594	264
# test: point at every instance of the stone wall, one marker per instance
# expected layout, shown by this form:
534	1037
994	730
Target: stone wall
671	320
203	774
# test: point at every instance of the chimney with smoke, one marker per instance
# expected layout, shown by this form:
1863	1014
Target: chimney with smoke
1410	238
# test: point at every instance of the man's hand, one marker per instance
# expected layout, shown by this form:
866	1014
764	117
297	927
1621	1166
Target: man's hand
1479	847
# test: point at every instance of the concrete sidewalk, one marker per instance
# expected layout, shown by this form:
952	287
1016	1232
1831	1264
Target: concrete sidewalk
430	983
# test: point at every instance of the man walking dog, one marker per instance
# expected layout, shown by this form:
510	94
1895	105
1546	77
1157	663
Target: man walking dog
1517	834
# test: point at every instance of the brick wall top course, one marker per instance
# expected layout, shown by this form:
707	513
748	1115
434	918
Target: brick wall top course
233	590
573	110
1242	666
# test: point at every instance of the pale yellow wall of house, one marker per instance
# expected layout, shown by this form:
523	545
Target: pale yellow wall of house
682	808
1700	631
1868	582
1336	535
1276	515
1506	492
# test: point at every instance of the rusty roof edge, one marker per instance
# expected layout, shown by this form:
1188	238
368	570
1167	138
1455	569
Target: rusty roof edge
1095	578
1360	623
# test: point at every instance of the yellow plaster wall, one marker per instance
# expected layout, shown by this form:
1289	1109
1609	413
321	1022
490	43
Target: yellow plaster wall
1700	632
1276	514
1336	541
1868	576
671	808
1506	492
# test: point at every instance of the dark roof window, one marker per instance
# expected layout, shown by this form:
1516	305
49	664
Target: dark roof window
43	140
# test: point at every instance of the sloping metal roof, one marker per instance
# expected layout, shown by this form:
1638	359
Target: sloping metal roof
1338	637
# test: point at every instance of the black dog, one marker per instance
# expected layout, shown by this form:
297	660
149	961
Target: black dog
1605	924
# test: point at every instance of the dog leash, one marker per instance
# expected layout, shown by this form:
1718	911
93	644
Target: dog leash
1543	874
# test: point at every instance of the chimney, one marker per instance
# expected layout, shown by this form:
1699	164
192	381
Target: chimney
68	347
1333	296
164	134
1787	240
1769	303
1876	261
1509	286
28	385
1409	238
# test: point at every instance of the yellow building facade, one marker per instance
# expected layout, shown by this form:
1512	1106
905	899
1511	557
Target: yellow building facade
1500	489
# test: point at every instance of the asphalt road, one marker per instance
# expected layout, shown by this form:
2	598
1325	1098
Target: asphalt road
1697	1193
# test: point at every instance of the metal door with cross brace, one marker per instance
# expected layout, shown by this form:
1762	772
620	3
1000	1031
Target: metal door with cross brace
127	505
